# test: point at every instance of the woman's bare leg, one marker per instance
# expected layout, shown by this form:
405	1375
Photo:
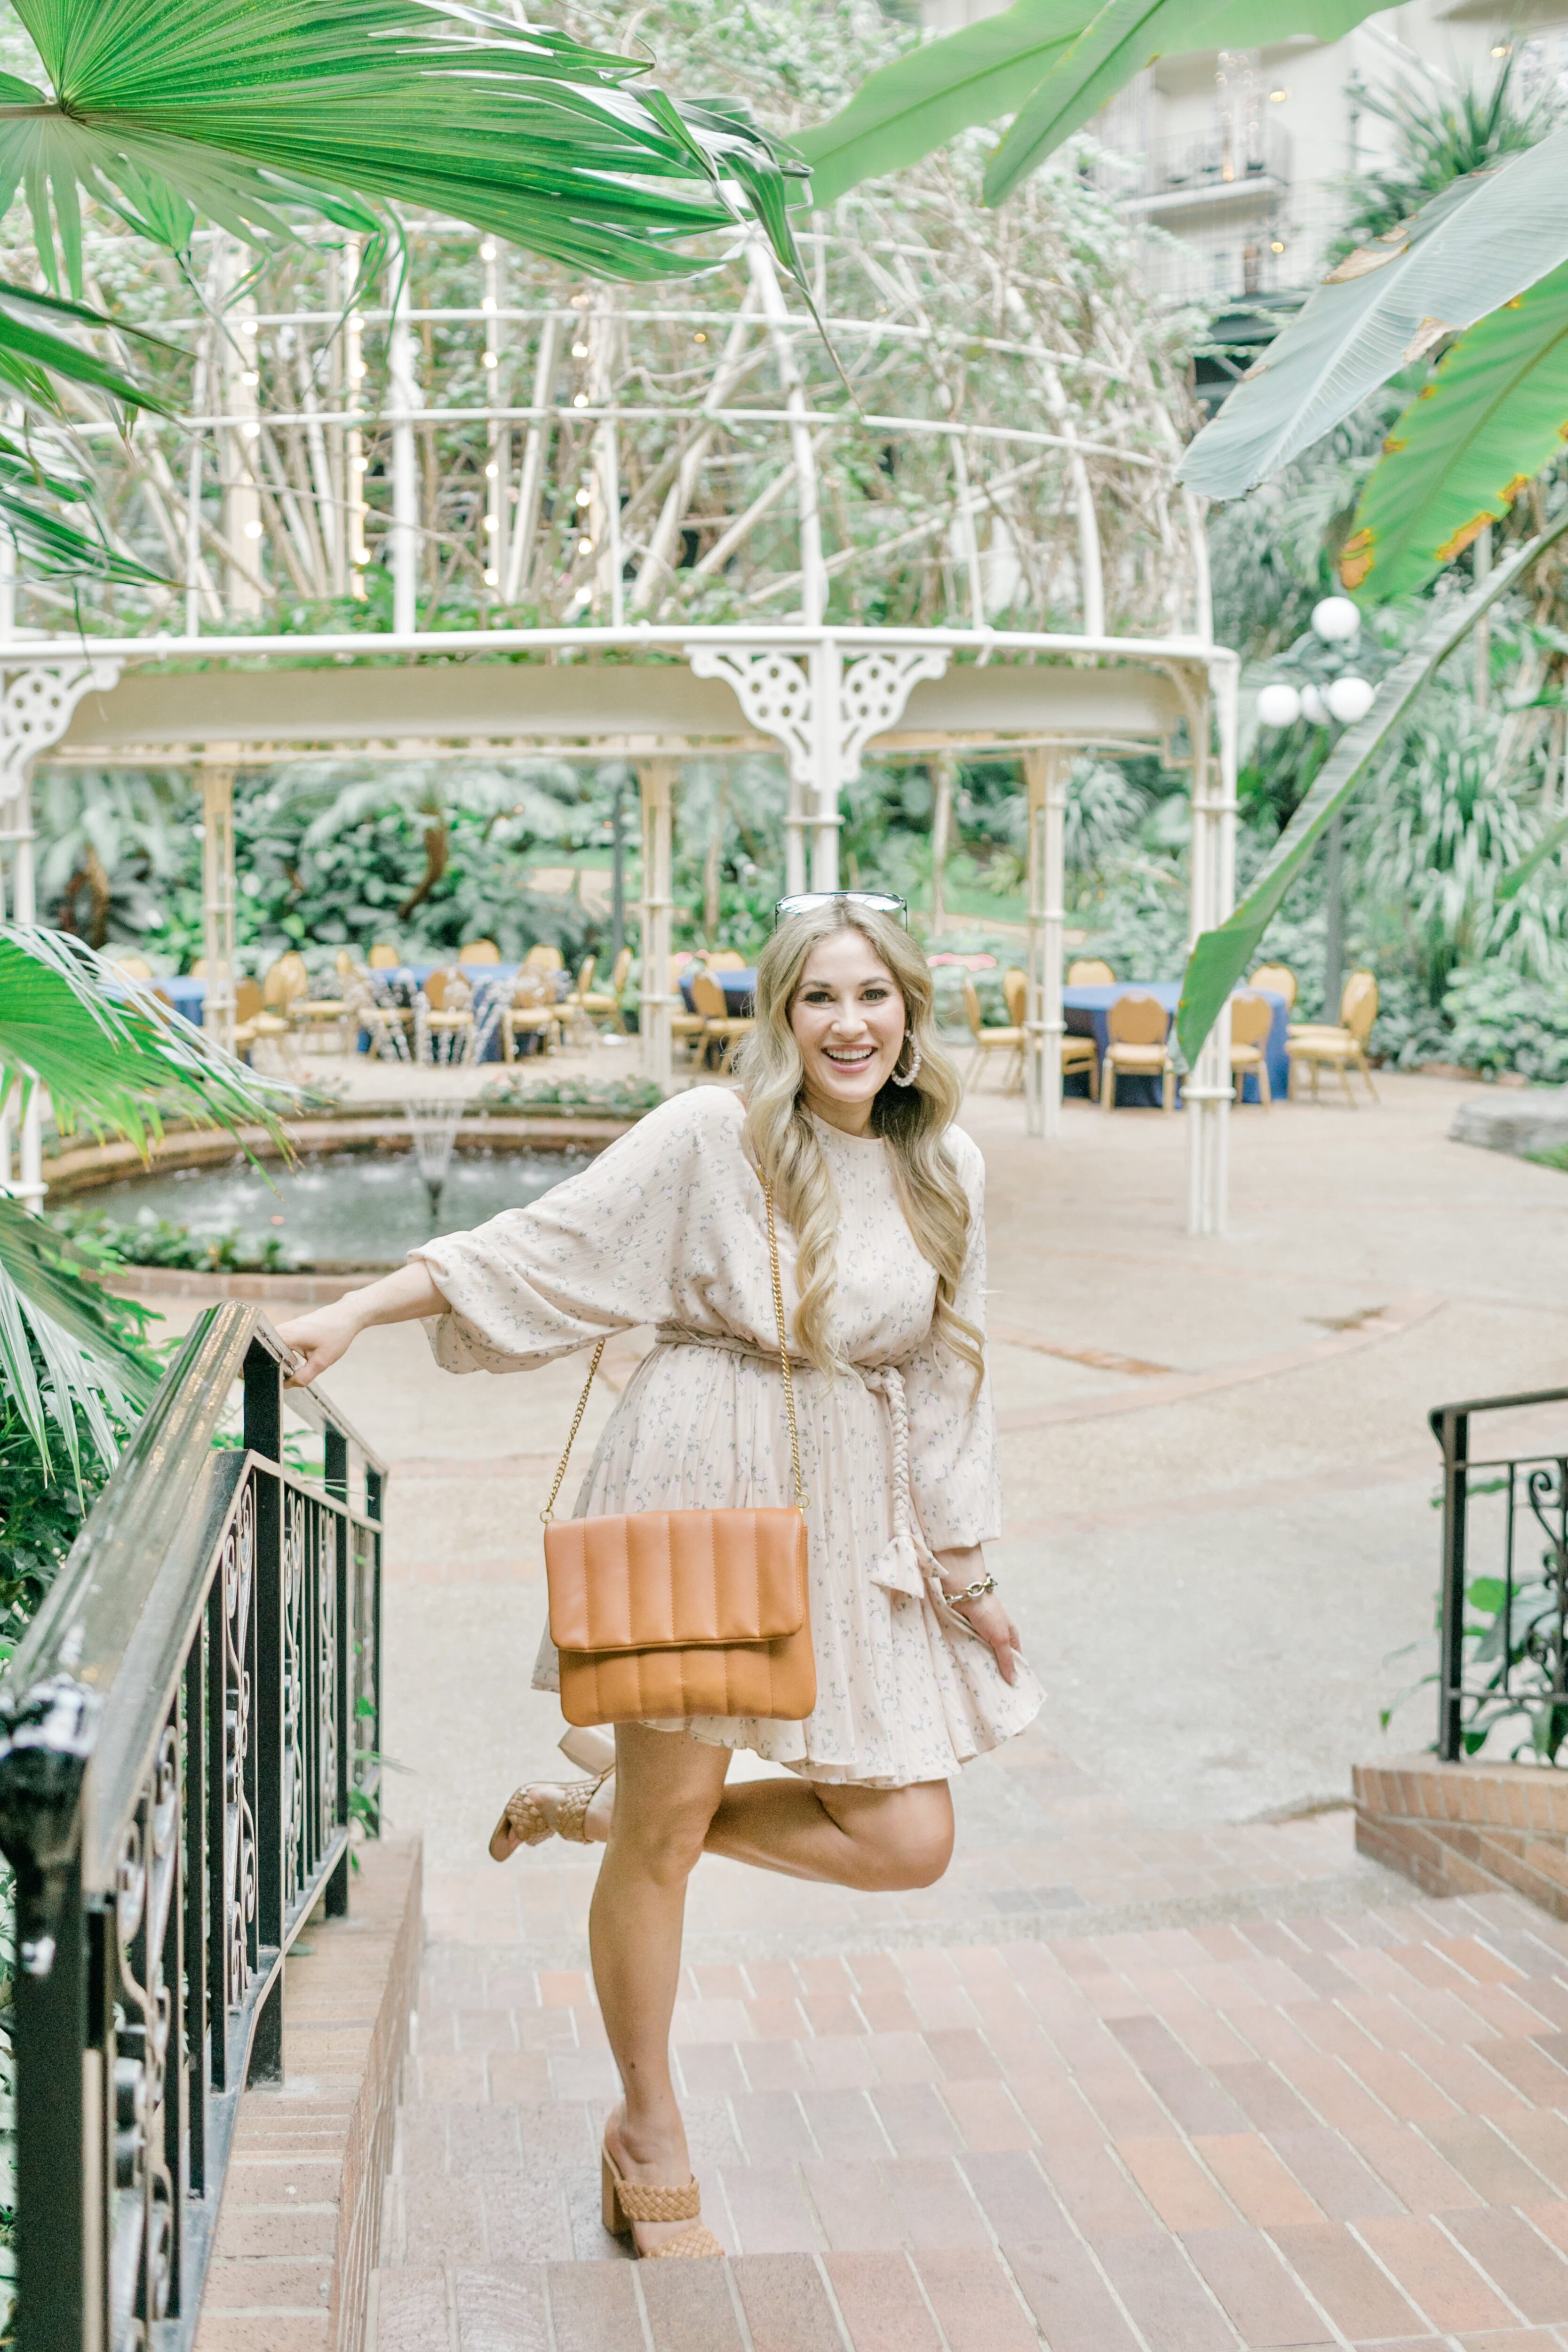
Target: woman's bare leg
877	1839
666	1791
666	1805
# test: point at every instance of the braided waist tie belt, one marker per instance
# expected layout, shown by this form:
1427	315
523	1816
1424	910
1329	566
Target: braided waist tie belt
906	1562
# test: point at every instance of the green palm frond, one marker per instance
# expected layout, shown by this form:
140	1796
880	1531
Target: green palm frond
72	1023
240	111
92	1360
35	359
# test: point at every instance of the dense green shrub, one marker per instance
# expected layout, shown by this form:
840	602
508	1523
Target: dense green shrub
158	1241
1500	1022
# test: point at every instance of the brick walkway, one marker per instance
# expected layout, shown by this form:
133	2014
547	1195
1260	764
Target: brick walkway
1335	2116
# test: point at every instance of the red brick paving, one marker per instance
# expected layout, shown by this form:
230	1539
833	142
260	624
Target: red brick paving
1345	2131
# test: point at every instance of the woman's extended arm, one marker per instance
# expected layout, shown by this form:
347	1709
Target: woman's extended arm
322	1337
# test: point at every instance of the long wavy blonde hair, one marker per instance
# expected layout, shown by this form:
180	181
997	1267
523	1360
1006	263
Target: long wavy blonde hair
914	1121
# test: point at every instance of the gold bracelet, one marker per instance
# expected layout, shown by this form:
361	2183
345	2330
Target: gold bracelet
975	1591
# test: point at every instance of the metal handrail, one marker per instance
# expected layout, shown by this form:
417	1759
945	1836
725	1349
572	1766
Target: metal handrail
180	1756
1548	1504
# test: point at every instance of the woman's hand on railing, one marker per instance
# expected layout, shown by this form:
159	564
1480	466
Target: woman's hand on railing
321	1338
318	1341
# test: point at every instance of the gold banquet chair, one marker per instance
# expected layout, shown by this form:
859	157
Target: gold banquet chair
605	1004
1251	1019
719	1025
1316	1042
1077	1053
1281	978
451	1002
686	1029
1139	1048
1090	971
530	1013
1010	1040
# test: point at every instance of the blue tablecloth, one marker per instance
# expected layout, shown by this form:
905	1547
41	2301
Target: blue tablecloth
1087	1013
186	995
739	987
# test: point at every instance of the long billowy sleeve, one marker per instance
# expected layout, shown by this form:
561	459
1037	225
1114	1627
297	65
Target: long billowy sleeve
597	1254
954	1471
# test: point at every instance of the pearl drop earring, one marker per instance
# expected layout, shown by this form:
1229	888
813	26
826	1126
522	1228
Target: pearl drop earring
909	1077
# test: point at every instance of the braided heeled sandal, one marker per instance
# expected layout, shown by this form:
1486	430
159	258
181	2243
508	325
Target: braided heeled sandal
626	2201
526	1822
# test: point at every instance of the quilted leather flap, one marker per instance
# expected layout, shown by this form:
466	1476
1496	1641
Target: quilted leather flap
675	1580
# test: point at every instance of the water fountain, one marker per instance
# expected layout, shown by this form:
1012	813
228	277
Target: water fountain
441	1029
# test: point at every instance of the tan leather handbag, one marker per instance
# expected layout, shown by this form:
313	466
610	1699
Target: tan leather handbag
657	1615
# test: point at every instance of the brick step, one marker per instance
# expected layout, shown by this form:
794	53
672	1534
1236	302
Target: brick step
958	2300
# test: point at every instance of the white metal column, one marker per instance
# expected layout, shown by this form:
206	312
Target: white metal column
826	670
239	381
402	385
1045	774
655	779
1207	1089
216	778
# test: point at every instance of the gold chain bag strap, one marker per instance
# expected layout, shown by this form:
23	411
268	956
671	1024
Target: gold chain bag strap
658	1614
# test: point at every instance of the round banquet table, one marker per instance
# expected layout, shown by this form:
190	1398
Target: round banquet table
1087	1014
487	980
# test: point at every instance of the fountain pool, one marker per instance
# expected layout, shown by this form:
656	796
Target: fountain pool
338	1209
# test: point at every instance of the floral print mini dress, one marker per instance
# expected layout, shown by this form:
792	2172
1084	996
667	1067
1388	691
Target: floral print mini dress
667	1227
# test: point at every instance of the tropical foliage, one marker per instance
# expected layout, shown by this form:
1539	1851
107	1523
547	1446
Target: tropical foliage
37	360
68	1355
170	110
1049	64
1483	242
1442	131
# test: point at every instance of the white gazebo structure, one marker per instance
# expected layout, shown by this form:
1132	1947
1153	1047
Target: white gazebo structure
498	514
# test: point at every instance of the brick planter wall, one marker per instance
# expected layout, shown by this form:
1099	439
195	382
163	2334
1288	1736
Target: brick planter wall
1468	1829
300	2226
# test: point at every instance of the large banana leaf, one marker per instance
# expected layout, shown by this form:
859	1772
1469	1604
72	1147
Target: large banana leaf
240	109
1049	62
1484	241
1221	956
1119	42
109	1060
1494	414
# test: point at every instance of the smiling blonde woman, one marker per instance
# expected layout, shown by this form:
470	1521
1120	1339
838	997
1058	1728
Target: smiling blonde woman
846	1109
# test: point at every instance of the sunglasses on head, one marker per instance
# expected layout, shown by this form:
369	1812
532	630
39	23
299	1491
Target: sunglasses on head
804	902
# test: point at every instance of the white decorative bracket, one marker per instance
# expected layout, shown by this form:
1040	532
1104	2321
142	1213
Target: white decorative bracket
37	706
872	694
773	687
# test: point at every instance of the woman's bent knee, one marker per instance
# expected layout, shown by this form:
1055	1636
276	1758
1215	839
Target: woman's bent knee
920	1857
908	1842
665	1845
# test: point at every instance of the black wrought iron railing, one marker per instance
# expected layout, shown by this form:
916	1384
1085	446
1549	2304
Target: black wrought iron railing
187	1734
1503	1633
